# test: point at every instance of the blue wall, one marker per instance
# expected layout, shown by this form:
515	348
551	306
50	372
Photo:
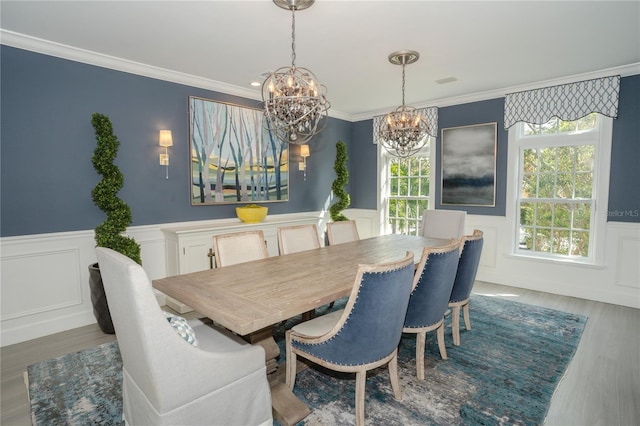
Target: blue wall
47	140
47	143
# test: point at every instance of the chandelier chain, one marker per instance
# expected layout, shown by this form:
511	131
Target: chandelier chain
402	83
293	37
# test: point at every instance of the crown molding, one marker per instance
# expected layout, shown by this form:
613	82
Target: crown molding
623	71
47	47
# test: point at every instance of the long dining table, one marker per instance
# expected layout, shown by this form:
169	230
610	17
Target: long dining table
251	298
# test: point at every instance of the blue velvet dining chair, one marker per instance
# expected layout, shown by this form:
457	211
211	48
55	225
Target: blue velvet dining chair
471	249
429	300
364	335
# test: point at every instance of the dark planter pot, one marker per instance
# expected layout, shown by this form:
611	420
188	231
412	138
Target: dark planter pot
99	300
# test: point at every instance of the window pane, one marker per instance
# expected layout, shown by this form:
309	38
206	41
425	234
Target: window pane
544	213
543	240
393	186
414	187
527	213
580	244
564	185
561	241
526	237
585	156
546	185
547	159
562	217
581	216
530	160
583	185
529	185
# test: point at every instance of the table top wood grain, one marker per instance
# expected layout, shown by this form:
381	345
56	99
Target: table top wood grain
250	296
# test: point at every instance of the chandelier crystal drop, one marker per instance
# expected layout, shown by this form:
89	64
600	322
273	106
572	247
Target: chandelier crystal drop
295	105
403	132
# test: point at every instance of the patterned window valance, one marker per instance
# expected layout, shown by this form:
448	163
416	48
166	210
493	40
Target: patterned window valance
430	113
567	101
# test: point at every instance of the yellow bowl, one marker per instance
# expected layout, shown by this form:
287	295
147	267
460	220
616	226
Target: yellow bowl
251	213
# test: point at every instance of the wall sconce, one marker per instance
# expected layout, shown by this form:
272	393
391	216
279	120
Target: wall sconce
304	153
165	140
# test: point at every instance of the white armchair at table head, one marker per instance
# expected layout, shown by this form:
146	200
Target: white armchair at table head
167	381
443	224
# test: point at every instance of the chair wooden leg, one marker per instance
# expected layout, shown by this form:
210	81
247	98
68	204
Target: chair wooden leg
465	313
290	376
421	339
393	376
455	324
361	379
441	345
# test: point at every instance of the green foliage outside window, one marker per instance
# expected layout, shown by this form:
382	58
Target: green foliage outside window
556	191
409	187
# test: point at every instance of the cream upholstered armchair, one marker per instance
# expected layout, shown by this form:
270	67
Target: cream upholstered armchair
239	247
429	300
471	249
363	336
168	381
443	224
295	238
342	232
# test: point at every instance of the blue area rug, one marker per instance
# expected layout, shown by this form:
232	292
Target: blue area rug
504	372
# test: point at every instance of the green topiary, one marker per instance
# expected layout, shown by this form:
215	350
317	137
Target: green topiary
109	233
342	179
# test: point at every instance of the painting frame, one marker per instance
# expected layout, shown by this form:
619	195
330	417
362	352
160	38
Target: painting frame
234	158
468	165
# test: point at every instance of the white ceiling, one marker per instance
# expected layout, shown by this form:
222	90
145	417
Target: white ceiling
486	46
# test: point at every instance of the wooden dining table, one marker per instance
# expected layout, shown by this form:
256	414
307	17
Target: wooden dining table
251	298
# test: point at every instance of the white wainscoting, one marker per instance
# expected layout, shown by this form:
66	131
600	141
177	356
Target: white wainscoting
45	278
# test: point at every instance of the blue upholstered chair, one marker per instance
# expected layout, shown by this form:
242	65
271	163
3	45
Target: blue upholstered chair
429	300
362	336
471	249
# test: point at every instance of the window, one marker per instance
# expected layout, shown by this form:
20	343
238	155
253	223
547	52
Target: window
405	191
558	175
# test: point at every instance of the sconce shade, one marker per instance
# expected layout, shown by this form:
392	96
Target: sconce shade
304	150
165	138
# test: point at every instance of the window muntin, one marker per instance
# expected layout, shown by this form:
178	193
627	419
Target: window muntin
556	188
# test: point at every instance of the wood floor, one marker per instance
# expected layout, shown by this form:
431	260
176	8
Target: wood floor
601	385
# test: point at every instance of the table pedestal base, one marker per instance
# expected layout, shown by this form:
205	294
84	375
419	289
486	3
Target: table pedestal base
287	408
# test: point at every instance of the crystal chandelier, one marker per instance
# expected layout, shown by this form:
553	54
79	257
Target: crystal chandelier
403	131
295	106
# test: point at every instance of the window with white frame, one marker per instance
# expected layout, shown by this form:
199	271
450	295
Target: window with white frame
405	190
560	174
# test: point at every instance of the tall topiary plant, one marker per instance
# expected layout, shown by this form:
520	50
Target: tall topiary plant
341	180
109	233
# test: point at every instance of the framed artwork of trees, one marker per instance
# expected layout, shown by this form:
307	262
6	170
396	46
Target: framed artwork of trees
234	157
